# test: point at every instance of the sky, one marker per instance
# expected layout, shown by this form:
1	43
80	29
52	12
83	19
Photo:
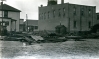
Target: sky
30	7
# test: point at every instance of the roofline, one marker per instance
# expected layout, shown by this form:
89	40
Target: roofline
5	18
97	13
81	4
8	18
29	19
21	19
69	3
11	10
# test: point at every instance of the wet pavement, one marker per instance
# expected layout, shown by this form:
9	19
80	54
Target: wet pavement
88	49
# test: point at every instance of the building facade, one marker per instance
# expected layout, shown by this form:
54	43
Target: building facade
31	25
22	25
97	17
75	17
10	17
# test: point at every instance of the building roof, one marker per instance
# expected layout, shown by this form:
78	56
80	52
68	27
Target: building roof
32	22
70	4
21	19
9	8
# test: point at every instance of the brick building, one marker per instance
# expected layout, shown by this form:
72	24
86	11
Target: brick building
75	17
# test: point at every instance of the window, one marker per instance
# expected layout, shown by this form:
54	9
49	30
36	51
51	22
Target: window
45	15
89	12
63	12
53	13
74	11
5	13
74	24
97	17
36	27
48	14
89	24
0	23
42	16
63	9
82	12
6	23
59	13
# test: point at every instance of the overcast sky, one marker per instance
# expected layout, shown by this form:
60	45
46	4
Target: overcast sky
30	7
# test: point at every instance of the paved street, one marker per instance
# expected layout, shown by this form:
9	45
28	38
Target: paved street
88	49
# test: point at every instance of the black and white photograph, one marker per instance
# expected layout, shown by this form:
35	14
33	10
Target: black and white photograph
49	29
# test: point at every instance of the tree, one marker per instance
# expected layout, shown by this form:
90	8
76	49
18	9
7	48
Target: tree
61	29
95	28
3	31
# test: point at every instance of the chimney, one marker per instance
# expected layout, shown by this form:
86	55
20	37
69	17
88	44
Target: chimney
62	1
41	5
1	3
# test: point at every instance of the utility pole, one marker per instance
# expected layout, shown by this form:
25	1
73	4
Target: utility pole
2	14
27	21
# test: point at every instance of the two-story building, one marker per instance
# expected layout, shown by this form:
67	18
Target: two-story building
73	16
9	17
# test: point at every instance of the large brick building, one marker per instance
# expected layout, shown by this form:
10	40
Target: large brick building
75	17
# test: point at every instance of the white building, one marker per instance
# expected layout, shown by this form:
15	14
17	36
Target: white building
10	17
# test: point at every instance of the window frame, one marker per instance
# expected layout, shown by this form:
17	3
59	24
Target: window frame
6	14
89	24
75	24
59	12
64	12
74	11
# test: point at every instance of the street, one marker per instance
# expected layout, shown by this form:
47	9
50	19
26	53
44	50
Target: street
88	49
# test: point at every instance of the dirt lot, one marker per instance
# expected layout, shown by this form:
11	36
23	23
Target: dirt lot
88	49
